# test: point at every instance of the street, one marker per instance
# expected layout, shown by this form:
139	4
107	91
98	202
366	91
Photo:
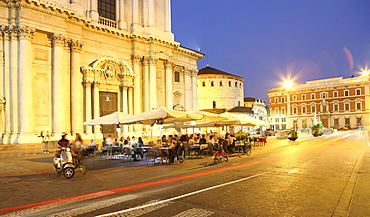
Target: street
324	176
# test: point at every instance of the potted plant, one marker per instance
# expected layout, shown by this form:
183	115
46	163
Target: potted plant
317	129
293	135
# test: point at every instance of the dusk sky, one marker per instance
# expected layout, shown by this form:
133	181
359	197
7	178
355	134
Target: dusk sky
265	41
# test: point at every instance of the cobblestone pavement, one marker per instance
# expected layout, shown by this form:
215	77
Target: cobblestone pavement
23	171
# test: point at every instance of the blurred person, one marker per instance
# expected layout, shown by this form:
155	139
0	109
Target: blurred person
109	144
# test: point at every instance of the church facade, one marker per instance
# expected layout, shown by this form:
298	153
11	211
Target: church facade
66	62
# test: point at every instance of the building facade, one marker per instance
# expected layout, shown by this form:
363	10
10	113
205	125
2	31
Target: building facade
66	62
335	102
258	108
218	89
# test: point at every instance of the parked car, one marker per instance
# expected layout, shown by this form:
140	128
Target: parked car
270	132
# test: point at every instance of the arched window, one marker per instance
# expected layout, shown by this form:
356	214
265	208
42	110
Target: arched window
212	84
214	104
177	76
236	84
229	83
221	84
203	83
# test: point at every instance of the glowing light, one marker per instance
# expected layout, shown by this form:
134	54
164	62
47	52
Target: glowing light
288	84
365	73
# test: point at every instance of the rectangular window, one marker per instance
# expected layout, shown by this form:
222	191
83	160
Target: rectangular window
304	109
336	108
313	109
303	97
107	9
324	108
335	94
347	121
283	111
312	96
304	124
294	110
277	126
283	126
276	100
283	119
346	106
359	121
282	100
336	121
346	93
277	120
276	111
358	106
177	77
358	92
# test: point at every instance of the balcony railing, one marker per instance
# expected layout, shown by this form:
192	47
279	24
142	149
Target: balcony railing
108	22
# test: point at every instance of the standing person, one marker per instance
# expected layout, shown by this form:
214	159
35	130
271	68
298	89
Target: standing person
140	142
77	147
109	144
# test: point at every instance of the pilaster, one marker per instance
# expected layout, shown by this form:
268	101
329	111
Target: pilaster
88	105
152	82
138	102
96	111
146	83
169	81
187	85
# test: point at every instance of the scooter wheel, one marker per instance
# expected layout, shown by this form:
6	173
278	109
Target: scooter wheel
69	172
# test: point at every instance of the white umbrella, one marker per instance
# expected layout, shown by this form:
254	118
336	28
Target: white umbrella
160	115
108	119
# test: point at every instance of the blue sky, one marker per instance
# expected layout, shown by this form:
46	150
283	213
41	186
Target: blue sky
266	41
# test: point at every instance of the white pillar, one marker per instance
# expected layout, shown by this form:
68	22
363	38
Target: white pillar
146	92
88	105
152	83
2	87
167	16
138	100
135	25
121	15
169	82
96	103
25	78
94	10
76	88
188	96
125	107
58	87
151	15
130	105
13	85
6	88
195	89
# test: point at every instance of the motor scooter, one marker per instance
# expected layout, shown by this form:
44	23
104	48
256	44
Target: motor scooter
66	165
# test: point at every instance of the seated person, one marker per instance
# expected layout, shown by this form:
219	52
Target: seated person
91	148
130	147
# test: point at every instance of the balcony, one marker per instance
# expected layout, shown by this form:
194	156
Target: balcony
108	22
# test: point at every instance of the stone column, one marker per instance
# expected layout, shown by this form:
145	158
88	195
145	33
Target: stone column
58	86
13	83
25	78
96	103
94	10
152	83
195	89
146	93
88	105
2	86
6	87
76	88
130	105
169	82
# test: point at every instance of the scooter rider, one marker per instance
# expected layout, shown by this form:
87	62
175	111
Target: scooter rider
63	143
